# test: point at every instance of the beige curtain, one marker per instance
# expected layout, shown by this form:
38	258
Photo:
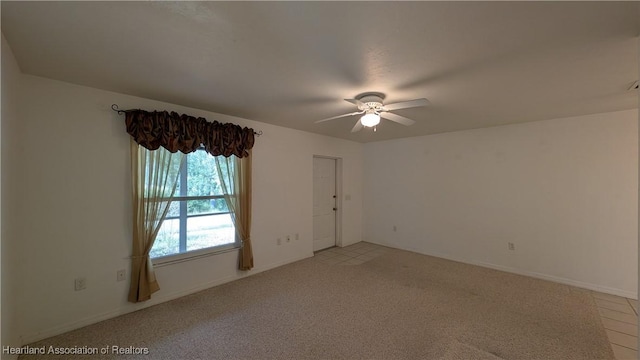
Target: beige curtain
155	175
235	178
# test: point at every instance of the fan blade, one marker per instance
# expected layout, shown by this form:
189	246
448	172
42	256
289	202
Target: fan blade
397	118
357	127
407	104
356	102
339	116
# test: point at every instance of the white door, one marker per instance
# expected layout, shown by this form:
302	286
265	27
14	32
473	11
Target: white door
324	203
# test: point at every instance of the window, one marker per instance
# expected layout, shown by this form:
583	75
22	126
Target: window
198	221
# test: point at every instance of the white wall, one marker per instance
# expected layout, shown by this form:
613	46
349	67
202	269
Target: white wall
9	126
76	220
564	191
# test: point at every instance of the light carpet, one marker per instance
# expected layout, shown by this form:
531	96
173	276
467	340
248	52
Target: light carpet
400	305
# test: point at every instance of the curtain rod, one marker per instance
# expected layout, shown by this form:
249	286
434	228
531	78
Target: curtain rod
115	108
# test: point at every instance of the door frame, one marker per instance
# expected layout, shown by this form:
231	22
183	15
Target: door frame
338	195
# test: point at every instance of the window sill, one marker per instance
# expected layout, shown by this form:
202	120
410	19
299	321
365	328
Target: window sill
193	255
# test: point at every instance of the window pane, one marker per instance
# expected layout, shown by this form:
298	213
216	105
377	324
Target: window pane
174	209
208	231
206	206
202	232
202	179
168	239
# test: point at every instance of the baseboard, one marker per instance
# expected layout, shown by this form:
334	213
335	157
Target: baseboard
565	281
552	278
57	330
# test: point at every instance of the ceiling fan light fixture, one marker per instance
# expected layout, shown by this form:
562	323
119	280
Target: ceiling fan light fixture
371	110
370	119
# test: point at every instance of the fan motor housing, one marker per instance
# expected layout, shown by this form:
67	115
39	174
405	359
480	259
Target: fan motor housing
371	101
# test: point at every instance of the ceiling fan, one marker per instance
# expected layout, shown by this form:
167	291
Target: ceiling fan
371	108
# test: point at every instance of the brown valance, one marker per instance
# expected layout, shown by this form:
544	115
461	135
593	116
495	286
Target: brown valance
186	133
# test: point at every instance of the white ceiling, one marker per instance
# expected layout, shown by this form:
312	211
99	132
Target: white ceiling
291	63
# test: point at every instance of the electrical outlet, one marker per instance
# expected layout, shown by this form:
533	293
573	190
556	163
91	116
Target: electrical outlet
511	246
395	228
297	236
120	275
288	238
80	284
279	241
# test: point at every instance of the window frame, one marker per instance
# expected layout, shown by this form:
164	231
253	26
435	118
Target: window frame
183	217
